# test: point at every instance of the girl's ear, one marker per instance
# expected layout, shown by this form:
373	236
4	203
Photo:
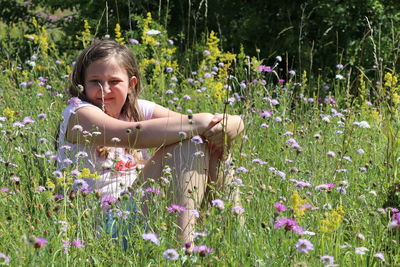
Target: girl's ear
133	81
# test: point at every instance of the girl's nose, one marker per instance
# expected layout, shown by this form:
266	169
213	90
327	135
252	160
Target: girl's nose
105	87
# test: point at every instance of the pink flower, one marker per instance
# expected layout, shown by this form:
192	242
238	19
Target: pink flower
175	207
77	243
39	242
107	201
288	224
279	206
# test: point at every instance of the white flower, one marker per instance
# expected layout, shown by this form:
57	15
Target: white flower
364	124
339	77
361	250
380	256
279	58
153	32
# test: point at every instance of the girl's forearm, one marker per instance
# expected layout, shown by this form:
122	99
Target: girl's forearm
143	134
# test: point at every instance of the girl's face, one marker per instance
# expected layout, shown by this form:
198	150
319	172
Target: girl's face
116	84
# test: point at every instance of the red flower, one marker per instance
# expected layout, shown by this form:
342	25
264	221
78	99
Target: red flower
120	166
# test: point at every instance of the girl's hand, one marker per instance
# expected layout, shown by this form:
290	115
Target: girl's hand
227	126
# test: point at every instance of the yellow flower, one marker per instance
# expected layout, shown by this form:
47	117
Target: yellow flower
10	114
118	35
86	37
298	204
332	220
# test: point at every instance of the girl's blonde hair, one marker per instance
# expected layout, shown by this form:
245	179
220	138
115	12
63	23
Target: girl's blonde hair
101	50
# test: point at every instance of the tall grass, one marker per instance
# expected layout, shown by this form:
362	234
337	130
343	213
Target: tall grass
329	157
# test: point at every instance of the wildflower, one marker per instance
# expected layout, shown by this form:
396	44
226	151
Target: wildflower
74	101
107	201
241	169
339	77
279	206
202	250
379	256
327	260
325	187
6	259
206	53
263	68
331	154
298	204
288	224
218	203
360	151
237	210
361	250
80	184
197	139
186	97
362	124
133	41
292	72
77	127
278	58
151	237
332	221
171	254
302	184
39	242
195	213
303	245
265	113
40	189
77	243
175	207
66	244
153	32
339	66
81	154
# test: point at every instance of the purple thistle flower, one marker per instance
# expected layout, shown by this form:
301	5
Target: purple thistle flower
154	190
303	245
39	242
171	254
279	206
77	243
175	207
107	201
151	237
288	224
202	250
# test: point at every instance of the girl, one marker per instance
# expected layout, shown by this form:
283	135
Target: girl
107	128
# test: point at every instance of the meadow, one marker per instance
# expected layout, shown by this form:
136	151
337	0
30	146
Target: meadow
317	165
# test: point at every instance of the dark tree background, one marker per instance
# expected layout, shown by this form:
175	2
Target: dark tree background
311	34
